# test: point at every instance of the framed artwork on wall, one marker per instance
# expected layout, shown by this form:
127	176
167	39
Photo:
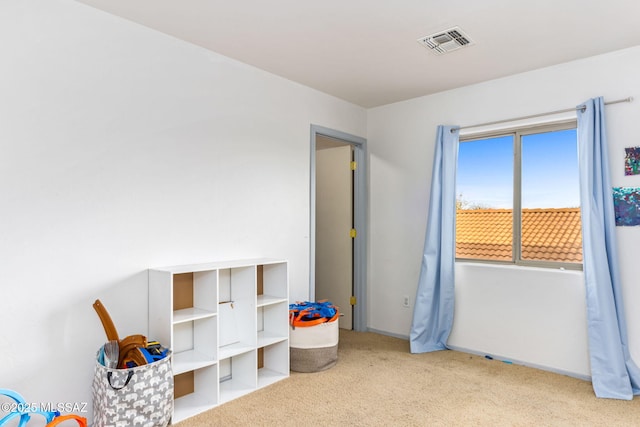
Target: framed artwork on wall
632	161
626	204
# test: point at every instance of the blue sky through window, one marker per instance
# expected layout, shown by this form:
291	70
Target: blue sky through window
549	171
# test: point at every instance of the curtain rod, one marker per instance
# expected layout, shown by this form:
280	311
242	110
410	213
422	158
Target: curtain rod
550	113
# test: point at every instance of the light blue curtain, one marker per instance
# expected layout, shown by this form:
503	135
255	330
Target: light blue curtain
433	309
613	373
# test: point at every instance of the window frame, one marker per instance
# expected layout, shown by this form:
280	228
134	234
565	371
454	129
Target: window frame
517	132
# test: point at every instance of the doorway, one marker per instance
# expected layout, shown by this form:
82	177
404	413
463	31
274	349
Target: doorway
338	224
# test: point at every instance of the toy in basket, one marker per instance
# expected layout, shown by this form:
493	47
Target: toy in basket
313	336
133	380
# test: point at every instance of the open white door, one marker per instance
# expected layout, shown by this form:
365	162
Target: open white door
334	221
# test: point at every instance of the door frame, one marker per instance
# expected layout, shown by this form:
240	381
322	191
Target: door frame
359	218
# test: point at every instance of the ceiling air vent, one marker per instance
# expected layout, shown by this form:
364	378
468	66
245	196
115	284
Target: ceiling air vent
445	41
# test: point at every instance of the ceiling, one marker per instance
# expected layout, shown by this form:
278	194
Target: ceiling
365	51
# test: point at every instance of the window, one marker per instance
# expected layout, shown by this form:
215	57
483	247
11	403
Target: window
518	197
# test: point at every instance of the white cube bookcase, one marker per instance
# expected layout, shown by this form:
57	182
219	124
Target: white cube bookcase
227	324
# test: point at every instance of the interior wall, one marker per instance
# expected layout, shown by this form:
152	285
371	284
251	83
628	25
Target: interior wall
532	316
124	149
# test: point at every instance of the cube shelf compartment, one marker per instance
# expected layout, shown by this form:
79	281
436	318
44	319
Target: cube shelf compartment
227	324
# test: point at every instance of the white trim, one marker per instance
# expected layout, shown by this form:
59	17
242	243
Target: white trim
499	358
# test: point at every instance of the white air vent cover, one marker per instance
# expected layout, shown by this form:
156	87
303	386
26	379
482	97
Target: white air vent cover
445	41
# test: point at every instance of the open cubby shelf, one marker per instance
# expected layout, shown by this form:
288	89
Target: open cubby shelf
227	326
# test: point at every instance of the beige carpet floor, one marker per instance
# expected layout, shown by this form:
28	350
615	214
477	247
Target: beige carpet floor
377	382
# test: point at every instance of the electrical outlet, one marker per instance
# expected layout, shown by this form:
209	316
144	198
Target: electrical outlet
405	301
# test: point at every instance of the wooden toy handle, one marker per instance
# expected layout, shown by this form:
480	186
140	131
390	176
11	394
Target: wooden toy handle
107	323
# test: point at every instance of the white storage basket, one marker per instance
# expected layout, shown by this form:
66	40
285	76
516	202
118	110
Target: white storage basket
314	348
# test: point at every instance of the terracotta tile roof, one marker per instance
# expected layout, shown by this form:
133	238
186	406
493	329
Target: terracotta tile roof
547	234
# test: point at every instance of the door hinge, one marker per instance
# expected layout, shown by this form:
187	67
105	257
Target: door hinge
353	233
354	165
352	300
